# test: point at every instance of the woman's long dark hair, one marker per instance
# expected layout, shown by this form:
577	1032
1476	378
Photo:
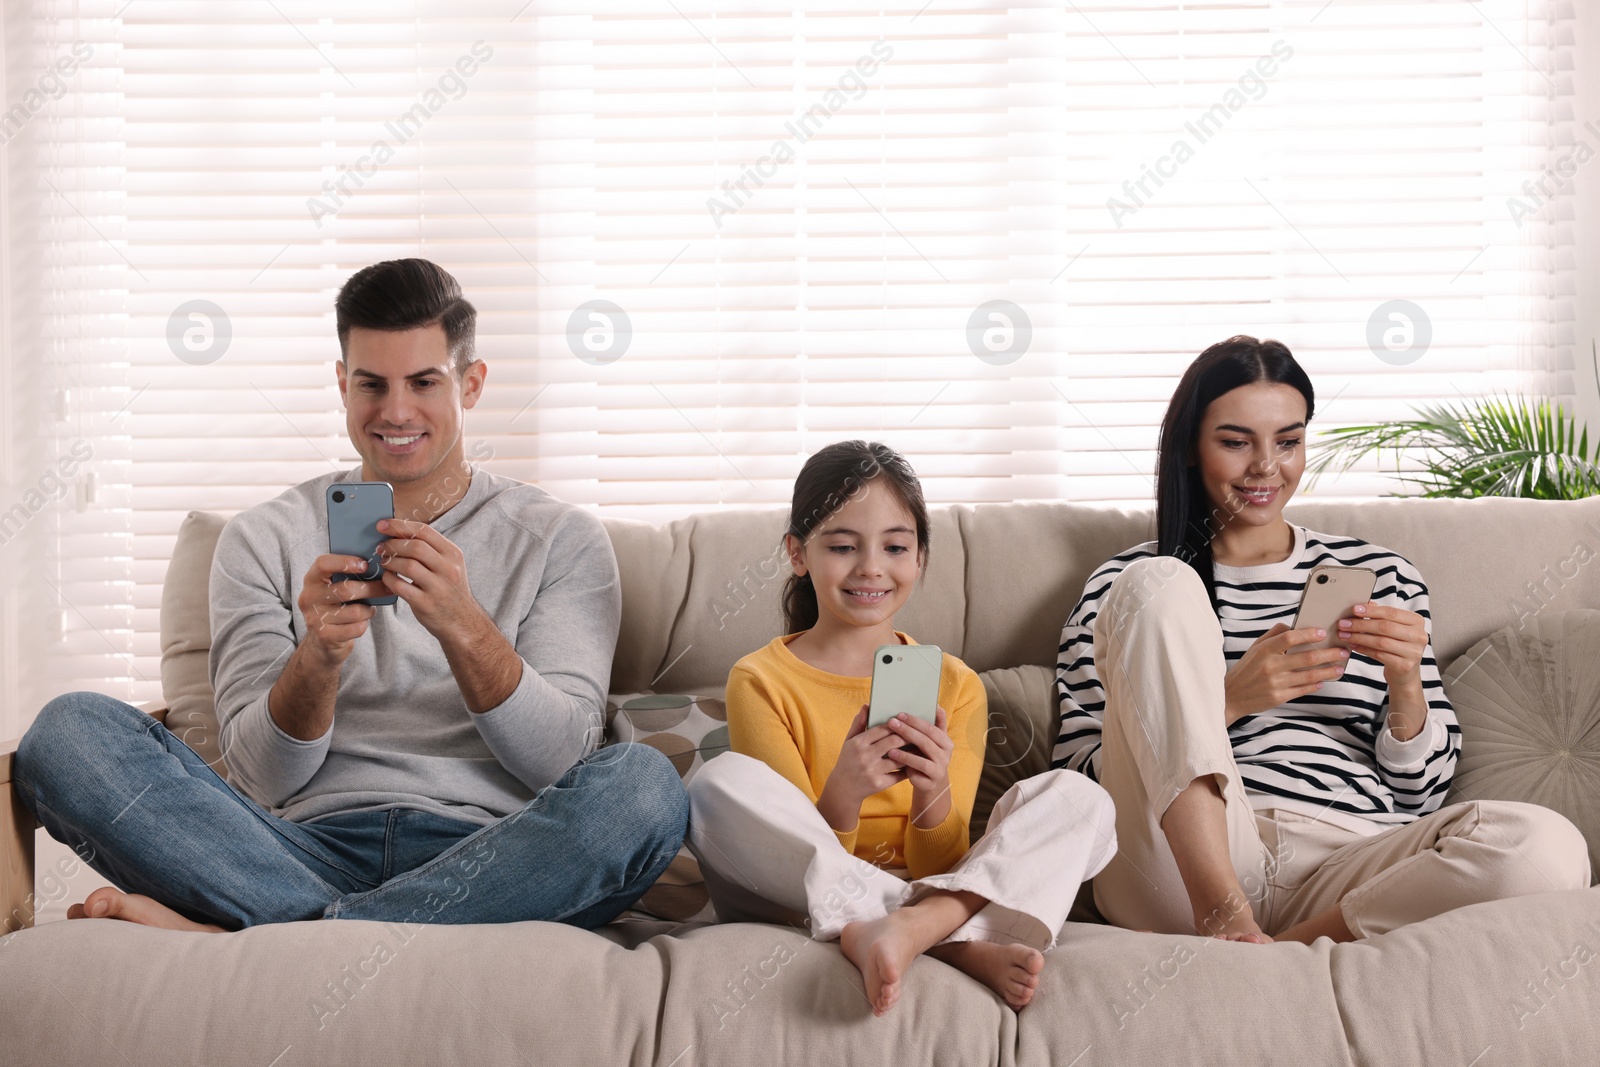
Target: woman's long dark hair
1186	520
830	479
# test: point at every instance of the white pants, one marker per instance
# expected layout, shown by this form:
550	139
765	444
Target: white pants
1158	651
768	855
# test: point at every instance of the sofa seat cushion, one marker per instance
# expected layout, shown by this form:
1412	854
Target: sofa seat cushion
1528	700
1514	975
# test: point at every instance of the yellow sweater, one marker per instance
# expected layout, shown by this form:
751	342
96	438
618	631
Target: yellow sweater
794	717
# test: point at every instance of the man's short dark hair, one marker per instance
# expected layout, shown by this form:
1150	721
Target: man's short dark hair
405	294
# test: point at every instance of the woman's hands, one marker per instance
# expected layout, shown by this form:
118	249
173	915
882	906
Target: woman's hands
1269	674
1395	637
871	761
1398	639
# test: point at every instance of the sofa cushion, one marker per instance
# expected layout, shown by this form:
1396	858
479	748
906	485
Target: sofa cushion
1528	699
186	638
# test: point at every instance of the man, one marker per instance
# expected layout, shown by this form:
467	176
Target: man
429	761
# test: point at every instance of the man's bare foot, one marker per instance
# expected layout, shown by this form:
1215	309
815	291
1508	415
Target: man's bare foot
1010	970
1231	920
881	949
108	902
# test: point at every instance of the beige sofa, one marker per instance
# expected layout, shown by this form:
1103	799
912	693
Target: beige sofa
1513	982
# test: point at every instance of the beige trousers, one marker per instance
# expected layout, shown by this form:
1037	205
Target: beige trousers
768	855
1158	652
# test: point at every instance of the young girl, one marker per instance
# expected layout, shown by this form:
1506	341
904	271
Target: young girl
862	834
1261	789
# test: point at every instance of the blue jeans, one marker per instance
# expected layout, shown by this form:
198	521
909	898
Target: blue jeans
143	809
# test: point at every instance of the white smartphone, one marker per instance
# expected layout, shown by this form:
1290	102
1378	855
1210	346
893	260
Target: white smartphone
905	678
1331	594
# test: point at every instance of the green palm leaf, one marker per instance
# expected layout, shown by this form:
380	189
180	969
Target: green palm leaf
1497	446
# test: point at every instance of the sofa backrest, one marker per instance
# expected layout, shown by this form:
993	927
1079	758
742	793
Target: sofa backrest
702	591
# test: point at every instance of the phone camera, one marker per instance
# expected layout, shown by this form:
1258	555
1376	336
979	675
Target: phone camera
888	658
338	497
1322	579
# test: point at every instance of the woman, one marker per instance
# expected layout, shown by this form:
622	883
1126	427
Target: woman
1263	791
817	819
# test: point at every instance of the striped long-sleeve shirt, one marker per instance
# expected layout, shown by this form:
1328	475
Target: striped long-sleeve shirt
1329	754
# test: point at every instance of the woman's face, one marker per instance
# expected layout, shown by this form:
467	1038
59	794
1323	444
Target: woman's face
863	559
1251	452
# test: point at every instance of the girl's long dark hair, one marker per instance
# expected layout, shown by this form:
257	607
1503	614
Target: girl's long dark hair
831	478
1186	520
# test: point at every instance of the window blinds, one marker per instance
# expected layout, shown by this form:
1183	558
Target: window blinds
705	239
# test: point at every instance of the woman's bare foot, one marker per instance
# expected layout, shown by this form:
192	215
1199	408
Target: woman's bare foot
108	902
1231	920
881	949
1012	971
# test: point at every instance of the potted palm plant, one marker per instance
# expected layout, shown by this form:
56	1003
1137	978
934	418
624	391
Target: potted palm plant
1508	445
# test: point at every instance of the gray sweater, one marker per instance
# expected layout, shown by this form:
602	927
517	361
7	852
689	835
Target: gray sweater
402	735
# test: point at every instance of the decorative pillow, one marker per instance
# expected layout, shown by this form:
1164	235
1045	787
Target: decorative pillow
688	730
1023	725
1528	699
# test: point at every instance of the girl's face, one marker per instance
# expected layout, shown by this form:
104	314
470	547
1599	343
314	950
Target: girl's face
863	559
1251	452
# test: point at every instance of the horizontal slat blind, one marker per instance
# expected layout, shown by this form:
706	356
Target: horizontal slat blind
800	210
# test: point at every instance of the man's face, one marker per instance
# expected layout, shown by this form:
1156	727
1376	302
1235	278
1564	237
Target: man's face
404	403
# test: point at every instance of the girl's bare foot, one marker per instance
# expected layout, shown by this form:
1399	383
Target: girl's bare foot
108	902
1010	970
881	949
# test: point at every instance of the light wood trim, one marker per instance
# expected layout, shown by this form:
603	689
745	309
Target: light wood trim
17	829
16	848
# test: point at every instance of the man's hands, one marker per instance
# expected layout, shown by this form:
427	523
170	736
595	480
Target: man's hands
1269	675
332	623
873	760
486	666
301	700
437	592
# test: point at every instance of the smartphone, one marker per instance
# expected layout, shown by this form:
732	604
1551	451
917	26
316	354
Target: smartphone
1331	594
354	509
905	678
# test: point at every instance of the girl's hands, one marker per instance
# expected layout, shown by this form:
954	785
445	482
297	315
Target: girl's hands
927	764
862	770
1395	637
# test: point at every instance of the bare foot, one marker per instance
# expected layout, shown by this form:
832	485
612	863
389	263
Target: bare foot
1230	920
881	949
108	902
1010	970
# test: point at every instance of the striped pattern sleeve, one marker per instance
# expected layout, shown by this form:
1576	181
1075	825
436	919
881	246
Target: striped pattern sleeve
1418	772
1079	694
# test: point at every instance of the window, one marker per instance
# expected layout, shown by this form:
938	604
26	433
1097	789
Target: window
990	238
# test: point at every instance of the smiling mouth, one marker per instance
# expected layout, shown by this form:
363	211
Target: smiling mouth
868	596
400	443
1257	495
